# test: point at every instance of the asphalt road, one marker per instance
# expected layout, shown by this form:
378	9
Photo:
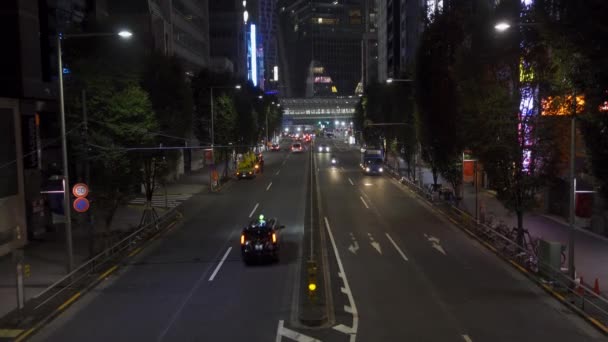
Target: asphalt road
178	288
398	271
413	276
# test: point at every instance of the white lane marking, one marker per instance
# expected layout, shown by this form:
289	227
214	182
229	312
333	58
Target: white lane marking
374	243
435	243
467	338
397	247
352	331
268	187
354	247
220	264
186	299
365	204
351	181
342	168
254	208
293	335
278	172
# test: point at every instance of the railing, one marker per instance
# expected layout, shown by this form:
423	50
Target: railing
88	274
579	296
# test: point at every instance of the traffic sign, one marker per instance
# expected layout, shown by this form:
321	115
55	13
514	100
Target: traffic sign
80	190
81	204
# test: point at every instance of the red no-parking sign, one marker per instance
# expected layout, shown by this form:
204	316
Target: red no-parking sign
81	204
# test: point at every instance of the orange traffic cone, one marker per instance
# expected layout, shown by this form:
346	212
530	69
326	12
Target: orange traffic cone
579	287
596	286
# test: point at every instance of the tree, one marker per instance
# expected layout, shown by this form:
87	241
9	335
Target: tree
498	91
439	122
578	50
120	116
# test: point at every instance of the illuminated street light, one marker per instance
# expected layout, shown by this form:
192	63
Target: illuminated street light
337	122
299	129
125	34
238	86
502	26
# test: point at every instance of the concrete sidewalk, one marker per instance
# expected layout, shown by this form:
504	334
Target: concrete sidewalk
47	257
591	250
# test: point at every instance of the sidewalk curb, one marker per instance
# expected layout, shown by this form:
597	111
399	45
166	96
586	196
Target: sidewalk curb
593	321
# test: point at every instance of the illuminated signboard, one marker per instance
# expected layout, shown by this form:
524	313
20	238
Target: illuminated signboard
322	79
253	49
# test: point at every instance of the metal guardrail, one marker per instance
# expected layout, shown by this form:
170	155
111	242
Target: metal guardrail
579	296
86	274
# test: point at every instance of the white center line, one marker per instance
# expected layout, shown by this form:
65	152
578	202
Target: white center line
268	187
467	338
220	264
365	204
254	208
397	247
351	181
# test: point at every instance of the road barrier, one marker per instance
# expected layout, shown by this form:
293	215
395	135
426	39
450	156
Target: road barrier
581	297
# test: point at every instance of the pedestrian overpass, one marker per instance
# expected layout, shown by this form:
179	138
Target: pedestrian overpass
301	111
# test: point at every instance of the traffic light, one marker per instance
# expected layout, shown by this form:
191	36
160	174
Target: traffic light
26	270
312	279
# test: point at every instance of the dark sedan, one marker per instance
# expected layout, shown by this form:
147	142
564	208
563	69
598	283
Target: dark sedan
260	240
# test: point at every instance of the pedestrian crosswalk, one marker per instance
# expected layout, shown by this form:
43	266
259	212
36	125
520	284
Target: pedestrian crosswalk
159	201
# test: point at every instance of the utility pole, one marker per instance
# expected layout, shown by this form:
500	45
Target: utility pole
571	270
212	120
64	153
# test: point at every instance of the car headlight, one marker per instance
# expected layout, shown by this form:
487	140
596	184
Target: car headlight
320	149
367	169
380	169
327	149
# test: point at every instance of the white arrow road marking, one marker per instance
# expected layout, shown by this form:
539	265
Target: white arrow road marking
354	247
435	243
268	187
293	335
397	247
254	208
220	264
467	338
365	204
374	243
351	181
352	308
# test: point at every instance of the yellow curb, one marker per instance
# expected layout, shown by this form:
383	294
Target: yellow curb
107	273
135	251
68	302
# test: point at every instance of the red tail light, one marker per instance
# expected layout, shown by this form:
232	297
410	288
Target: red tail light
274	238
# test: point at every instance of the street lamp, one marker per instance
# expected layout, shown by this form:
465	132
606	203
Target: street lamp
64	146
502	26
391	80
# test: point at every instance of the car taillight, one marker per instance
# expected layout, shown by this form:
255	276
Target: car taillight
242	239
274	238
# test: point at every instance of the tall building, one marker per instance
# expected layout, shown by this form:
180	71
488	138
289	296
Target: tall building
328	35
227	29
268	23
400	24
369	44
175	27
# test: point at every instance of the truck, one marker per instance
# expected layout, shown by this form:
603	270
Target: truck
372	160
248	166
